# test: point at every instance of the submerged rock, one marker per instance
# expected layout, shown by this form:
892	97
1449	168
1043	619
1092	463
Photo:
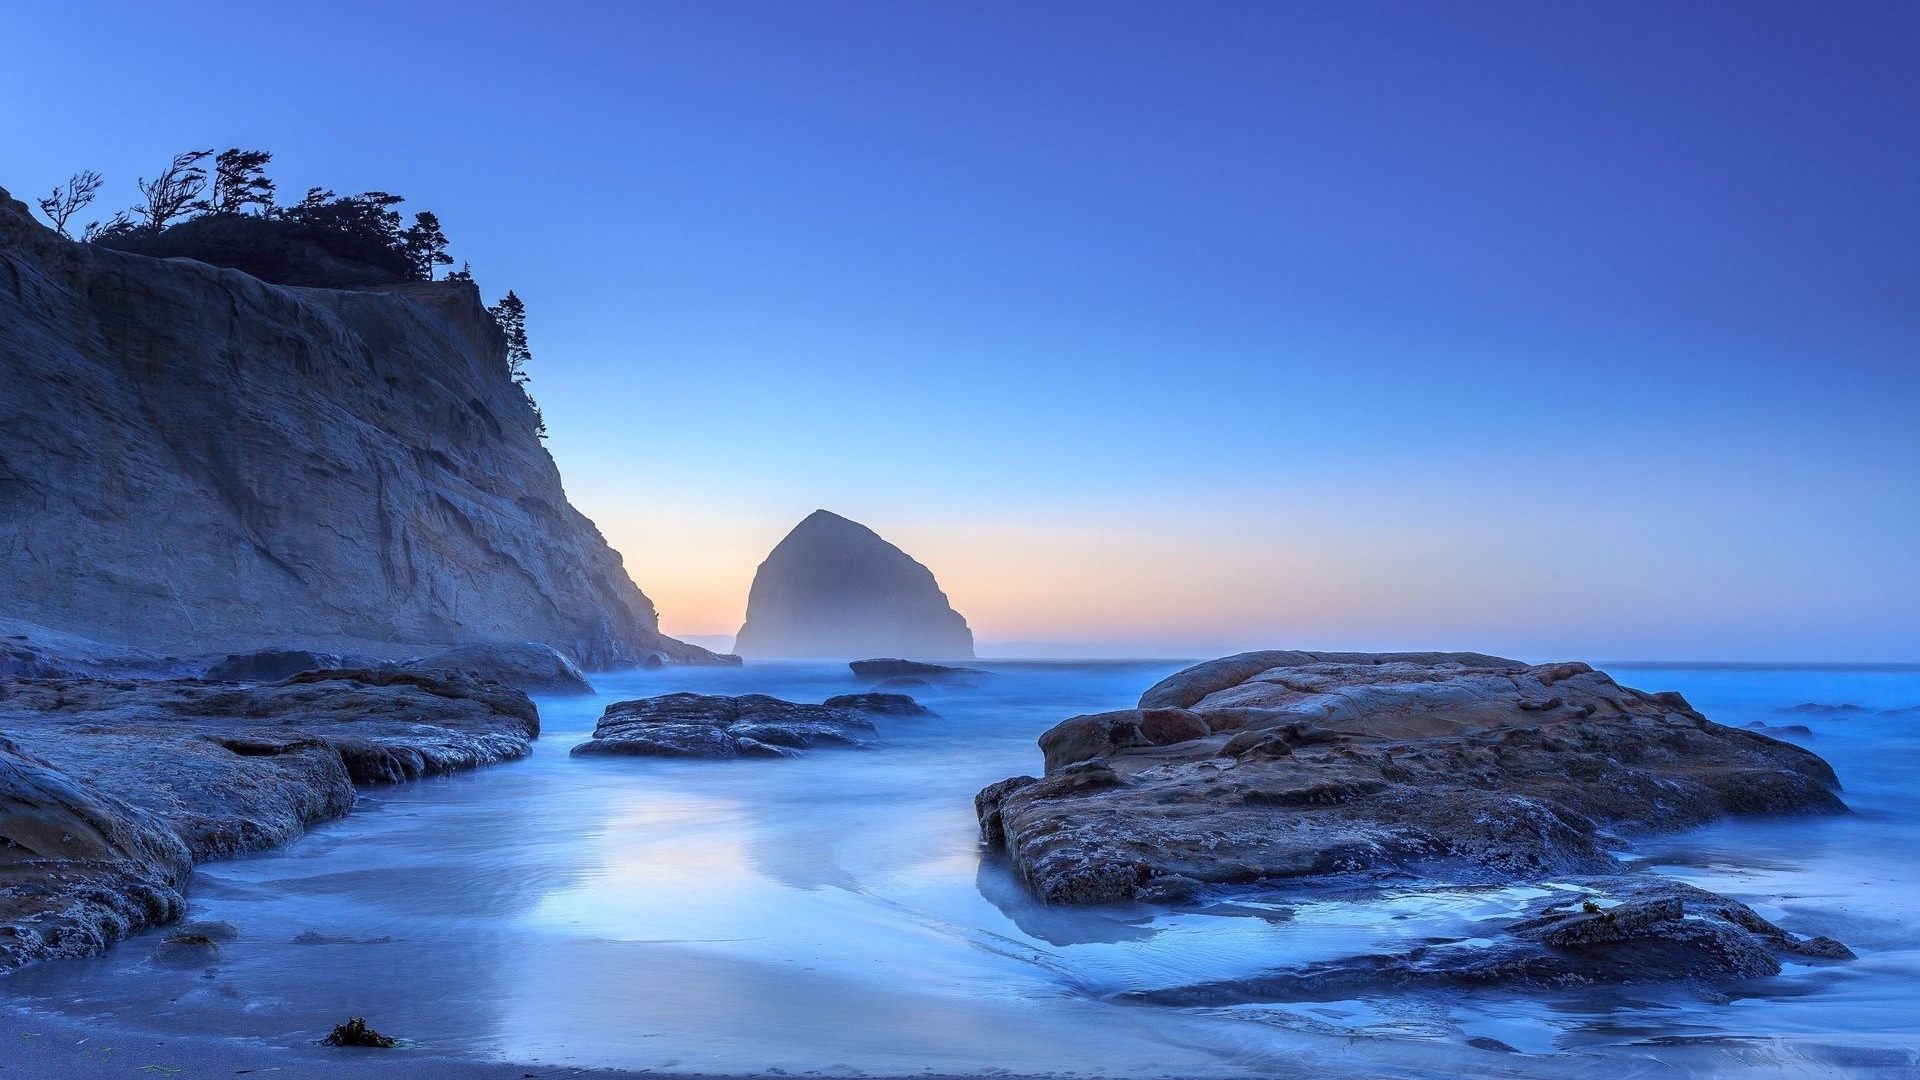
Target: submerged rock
1648	930
523	665
884	704
218	931
833	589
719	727
909	672
1285	766
110	789
186	949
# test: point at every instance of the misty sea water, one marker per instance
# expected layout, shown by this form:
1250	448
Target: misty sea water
837	914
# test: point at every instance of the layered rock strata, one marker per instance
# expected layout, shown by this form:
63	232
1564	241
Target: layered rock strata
523	665
195	461
111	789
1291	765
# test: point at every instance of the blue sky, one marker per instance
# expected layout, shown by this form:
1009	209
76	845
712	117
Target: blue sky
1560	329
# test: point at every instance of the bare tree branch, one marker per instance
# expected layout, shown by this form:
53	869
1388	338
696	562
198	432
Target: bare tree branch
174	191
67	201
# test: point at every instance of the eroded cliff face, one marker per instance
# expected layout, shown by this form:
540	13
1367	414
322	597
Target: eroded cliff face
192	459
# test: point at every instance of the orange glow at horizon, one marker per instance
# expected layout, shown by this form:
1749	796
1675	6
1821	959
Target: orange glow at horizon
1340	580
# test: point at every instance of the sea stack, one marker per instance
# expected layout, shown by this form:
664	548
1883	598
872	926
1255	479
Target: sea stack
834	589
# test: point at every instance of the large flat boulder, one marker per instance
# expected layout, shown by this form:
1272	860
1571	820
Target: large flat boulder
111	788
523	665
1284	766
718	727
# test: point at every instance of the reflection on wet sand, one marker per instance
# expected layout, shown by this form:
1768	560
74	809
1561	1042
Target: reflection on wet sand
836	913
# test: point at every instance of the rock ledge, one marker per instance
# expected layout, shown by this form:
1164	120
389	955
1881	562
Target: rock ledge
1455	766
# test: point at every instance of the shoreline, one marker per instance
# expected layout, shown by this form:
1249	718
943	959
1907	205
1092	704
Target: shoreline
60	1035
123	786
52	1046
44	1045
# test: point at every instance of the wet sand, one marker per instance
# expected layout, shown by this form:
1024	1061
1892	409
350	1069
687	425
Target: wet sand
39	1046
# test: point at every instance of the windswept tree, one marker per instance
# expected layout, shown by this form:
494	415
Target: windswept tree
239	181
465	273
511	316
425	245
116	225
370	214
174	191
309	204
66	201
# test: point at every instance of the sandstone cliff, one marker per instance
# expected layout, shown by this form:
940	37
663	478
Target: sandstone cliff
833	588
194	460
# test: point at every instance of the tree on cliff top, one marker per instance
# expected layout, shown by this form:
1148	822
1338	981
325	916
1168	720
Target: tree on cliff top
239	181
424	245
66	201
370	214
230	219
174	191
511	315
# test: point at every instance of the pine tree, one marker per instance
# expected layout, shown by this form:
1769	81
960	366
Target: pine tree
239	181
465	273
117	225
174	191
425	245
511	316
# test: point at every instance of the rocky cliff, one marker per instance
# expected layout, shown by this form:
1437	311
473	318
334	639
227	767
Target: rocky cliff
194	460
833	588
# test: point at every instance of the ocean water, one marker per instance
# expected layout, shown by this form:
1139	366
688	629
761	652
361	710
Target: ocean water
837	914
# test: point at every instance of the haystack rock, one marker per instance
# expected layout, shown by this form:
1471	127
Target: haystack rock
834	589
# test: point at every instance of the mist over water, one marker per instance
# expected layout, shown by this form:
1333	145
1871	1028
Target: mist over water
837	913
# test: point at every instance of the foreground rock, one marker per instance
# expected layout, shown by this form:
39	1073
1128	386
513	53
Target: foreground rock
111	789
79	868
718	727
1615	930
194	460
1277	766
834	589
523	665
